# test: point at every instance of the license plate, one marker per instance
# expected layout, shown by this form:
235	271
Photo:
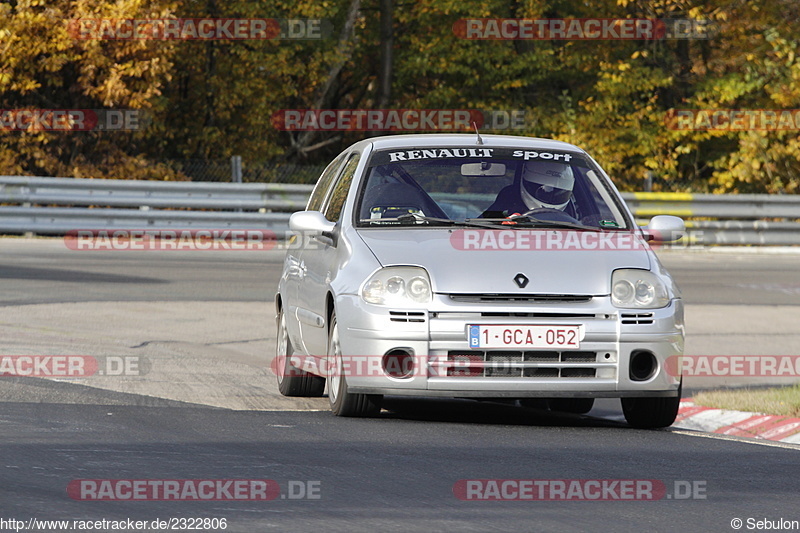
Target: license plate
504	336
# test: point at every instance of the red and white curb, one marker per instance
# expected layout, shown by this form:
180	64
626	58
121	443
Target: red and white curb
737	423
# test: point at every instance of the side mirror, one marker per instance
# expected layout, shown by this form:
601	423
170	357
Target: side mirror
665	228
312	222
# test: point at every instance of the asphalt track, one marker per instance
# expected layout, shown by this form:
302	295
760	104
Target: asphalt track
207	409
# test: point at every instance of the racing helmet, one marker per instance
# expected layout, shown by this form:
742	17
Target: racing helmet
546	184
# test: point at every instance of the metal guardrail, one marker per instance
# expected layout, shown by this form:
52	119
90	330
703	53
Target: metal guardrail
739	216
54	206
740	232
140	204
153	194
721	206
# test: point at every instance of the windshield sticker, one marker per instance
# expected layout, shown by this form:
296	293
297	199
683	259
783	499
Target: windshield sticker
541	155
409	155
431	155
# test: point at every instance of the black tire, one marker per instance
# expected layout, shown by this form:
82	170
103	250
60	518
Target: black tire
291	380
651	413
344	403
578	406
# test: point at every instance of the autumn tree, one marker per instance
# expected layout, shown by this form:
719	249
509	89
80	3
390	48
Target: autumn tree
43	66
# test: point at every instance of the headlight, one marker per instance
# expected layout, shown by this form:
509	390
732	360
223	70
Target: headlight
398	286
640	289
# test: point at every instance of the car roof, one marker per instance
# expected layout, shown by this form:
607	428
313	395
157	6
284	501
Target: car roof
450	139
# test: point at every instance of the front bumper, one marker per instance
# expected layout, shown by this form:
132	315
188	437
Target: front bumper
444	364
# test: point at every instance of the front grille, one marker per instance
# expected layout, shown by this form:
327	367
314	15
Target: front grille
637	318
524	364
579	357
521	298
541	373
407	316
542	357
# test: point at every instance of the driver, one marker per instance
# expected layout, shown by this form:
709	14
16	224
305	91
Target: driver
544	184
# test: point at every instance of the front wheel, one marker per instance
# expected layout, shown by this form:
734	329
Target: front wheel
344	403
650	413
291	380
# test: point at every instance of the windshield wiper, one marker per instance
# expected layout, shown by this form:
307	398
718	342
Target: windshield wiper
415	218
527	219
556	223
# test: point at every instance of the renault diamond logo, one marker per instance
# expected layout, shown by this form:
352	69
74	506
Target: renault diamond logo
521	280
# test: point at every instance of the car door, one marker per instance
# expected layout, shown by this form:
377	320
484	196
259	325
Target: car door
320	258
294	267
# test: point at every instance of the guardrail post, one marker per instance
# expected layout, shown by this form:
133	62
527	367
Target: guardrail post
29	234
236	169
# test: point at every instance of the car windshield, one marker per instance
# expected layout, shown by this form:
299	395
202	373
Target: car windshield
487	186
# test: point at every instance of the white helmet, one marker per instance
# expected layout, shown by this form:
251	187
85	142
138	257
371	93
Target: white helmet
546	184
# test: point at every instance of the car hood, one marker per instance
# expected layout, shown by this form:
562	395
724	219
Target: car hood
574	267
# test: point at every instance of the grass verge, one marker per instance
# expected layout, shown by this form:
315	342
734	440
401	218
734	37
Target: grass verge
773	401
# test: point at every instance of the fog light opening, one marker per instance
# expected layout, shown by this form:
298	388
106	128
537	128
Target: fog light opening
643	365
398	363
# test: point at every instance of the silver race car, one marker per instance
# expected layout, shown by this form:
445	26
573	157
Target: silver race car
477	267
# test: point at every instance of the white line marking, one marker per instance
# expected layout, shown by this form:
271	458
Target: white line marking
743	440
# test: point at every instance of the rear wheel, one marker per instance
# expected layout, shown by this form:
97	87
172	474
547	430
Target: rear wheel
650	413
344	403
578	406
291	380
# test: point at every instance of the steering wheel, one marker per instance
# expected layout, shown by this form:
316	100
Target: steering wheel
560	216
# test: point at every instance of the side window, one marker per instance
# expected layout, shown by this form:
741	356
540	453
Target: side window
324	183
336	201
